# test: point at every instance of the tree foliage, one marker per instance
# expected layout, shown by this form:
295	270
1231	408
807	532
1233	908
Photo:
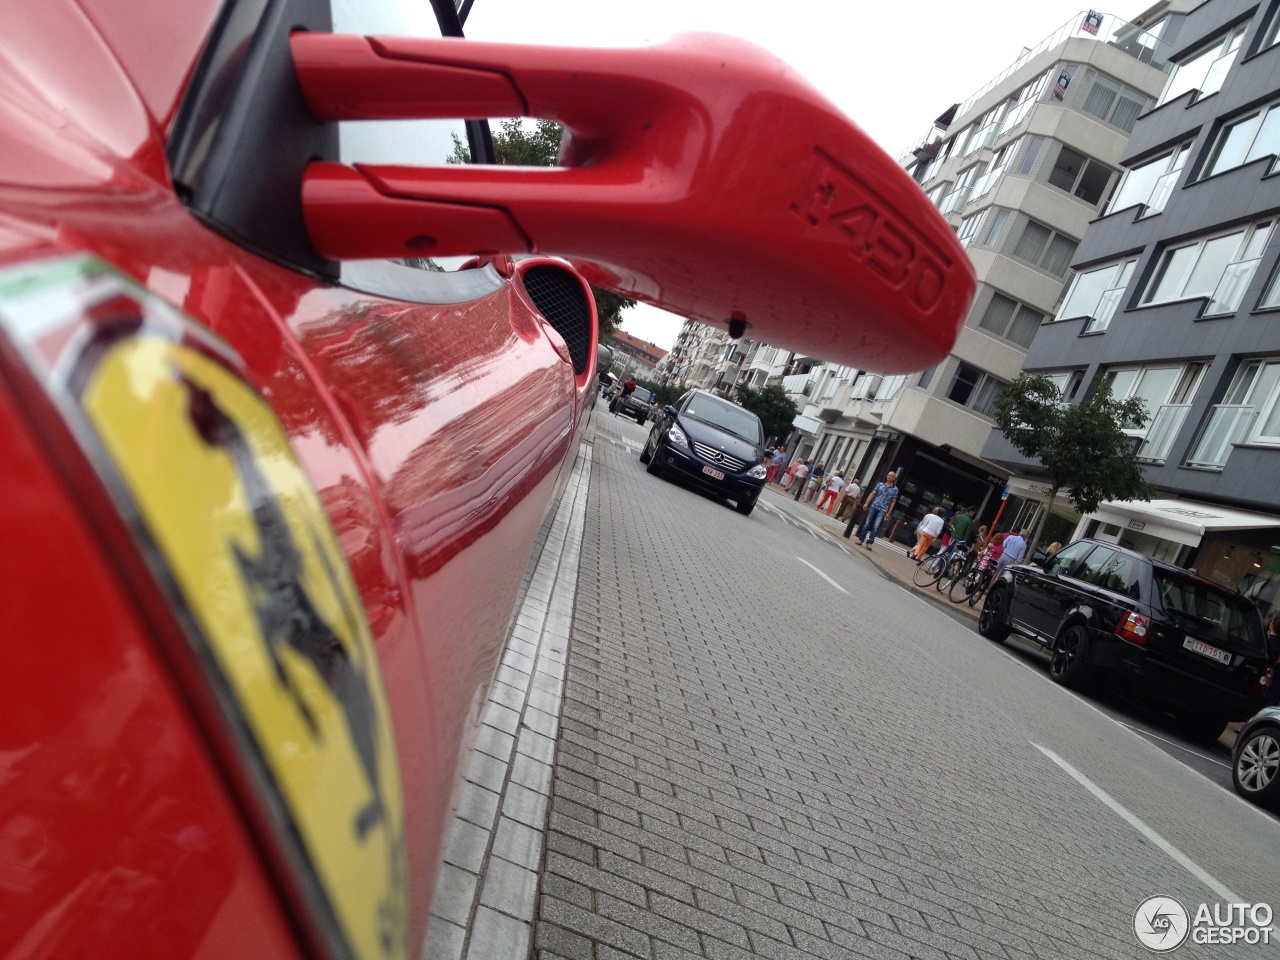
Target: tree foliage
771	404
1082	448
519	144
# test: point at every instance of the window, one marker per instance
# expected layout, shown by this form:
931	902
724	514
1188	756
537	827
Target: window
1245	140
1151	183
1219	267
1017	108
1114	104
968	227
1205	69
1010	319
1156	387
1079	175
985	130
1096	293
1249	413
1041	247
958	196
998	166
1271	32
996	222
971	387
1068	383
926	378
1098	558
1029	158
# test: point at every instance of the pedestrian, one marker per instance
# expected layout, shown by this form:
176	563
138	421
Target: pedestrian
962	525
813	482
927	532
1015	548
880	503
850	501
830	491
775	464
798	470
989	561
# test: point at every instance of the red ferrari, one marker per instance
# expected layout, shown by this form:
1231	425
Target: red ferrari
287	392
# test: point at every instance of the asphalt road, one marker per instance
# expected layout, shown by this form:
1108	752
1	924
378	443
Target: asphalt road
767	749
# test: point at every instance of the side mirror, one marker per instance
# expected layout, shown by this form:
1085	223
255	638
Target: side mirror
701	176
669	410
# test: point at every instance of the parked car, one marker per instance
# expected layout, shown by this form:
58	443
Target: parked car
1185	645
636	405
712	444
287	394
1255	759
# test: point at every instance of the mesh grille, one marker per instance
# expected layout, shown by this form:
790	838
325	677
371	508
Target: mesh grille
712	455
559	297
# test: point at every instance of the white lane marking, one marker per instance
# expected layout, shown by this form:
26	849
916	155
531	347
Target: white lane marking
822	575
1224	893
1173	743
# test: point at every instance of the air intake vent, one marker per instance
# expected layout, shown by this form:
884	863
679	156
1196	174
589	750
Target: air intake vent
560	297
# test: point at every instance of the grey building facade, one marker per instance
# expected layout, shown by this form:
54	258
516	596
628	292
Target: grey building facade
1175	298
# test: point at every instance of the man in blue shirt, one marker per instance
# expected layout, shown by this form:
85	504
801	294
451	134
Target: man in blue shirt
880	502
1015	548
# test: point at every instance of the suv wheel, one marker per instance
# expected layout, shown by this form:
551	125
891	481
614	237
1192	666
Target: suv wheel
645	455
1067	665
745	507
1256	770
655	459
991	621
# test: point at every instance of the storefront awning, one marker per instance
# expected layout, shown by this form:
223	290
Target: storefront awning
1182	521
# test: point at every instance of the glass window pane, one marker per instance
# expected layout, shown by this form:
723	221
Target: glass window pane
1233	142
1126	113
1025	325
1061	250
1154	386
962	386
985	401
1066	168
1029	158
1093	182
1138	184
1272	296
1215	256
1032	242
1085	292
998	314
1167	281
1121	382
1267	142
996	228
1100	98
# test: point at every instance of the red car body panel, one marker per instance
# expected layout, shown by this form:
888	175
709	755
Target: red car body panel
436	438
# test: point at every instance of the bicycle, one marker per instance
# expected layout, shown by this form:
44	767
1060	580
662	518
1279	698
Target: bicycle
949	562
971	586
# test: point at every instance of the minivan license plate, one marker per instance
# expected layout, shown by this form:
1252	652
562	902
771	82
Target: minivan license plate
1213	653
713	473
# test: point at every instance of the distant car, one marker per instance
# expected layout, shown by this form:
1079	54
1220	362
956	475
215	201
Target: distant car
1255	760
636	405
1183	644
711	443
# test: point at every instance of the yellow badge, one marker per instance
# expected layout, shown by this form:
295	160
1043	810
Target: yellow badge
254	557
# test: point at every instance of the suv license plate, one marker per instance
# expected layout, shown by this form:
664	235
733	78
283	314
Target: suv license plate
713	473
1213	653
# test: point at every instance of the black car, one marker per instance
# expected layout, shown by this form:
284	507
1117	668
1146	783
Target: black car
711	443
636	405
1178	642
1255	760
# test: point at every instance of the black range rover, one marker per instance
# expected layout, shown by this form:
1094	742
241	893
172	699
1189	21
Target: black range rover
1183	644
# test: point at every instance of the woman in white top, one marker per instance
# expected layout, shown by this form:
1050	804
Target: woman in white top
928	531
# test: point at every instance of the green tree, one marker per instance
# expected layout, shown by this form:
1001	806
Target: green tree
1082	448
518	144
771	404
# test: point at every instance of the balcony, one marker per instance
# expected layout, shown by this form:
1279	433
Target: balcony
1162	432
1228	425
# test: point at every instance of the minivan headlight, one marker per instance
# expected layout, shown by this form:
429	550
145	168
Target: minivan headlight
757	472
676	435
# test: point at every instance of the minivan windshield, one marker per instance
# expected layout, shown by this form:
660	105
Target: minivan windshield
718	413
1212	614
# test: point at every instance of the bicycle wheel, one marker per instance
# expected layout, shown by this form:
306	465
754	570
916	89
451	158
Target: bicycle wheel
929	571
957	567
979	592
961	587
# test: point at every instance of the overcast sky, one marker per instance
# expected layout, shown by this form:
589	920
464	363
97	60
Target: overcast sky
891	66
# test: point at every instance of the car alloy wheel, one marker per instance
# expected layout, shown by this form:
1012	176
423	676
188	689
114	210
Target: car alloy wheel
991	620
1067	665
1256	771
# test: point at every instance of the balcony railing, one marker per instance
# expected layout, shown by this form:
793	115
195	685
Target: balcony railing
1160	435
1228	425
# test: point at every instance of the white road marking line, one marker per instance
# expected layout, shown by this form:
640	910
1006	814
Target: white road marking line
1173	743
822	575
1221	889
